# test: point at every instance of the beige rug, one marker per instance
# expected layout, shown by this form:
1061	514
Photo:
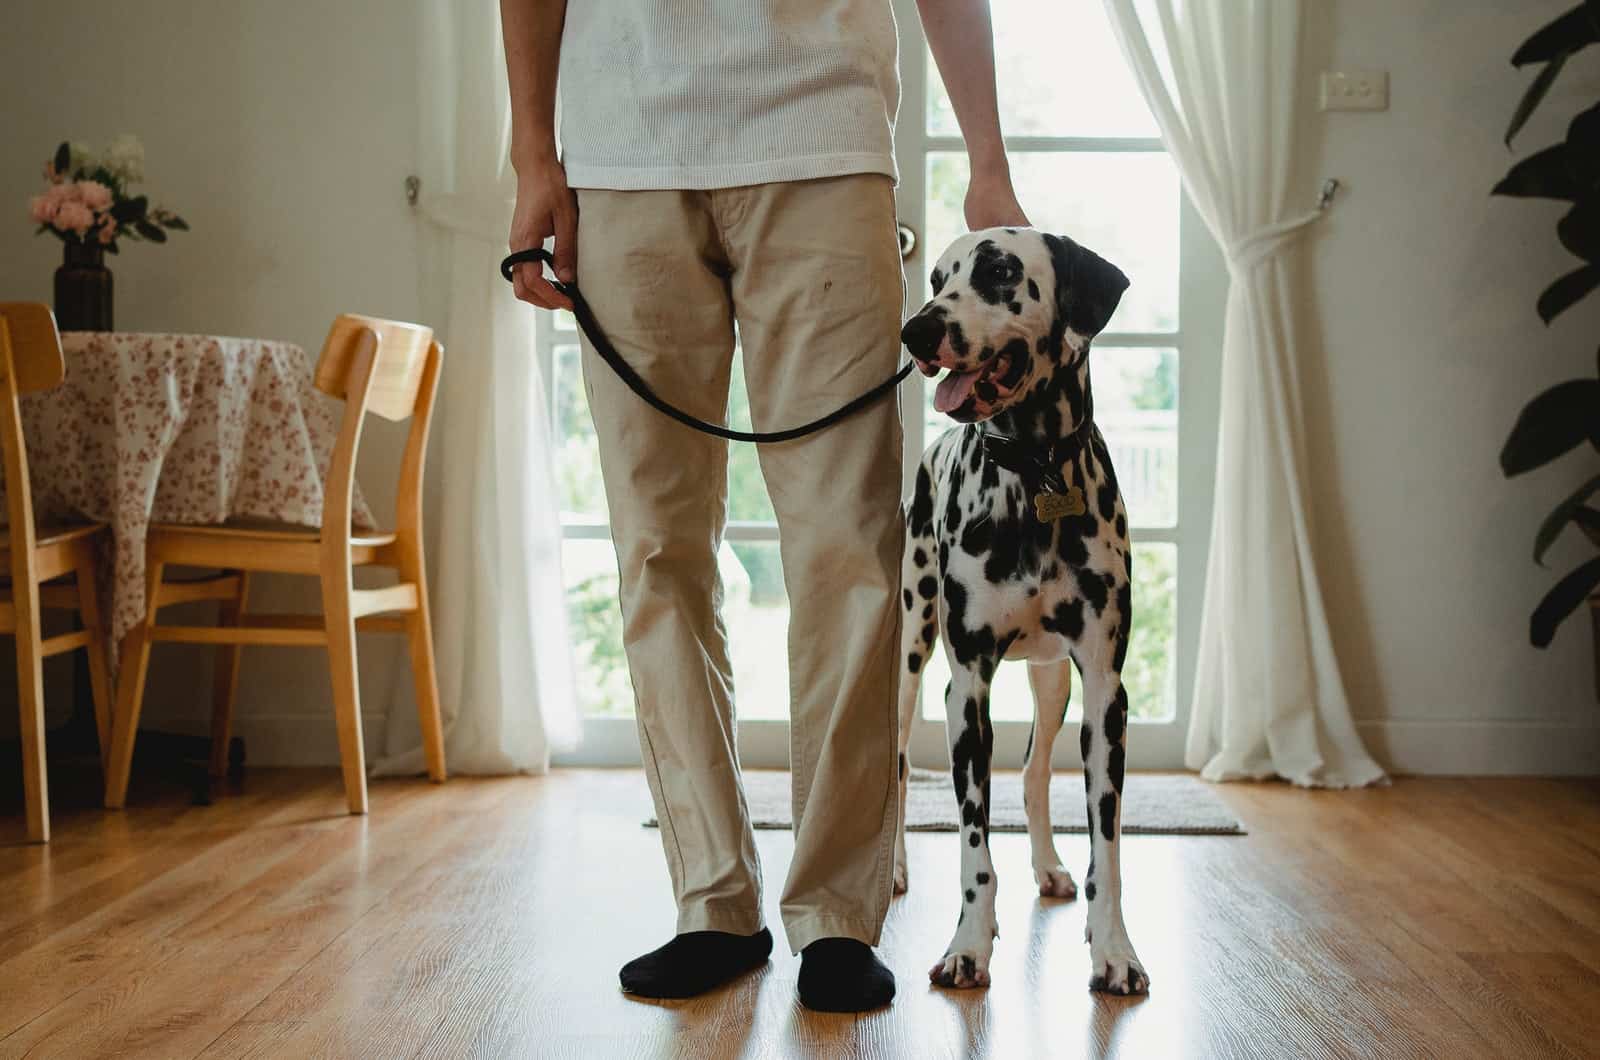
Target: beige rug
1153	804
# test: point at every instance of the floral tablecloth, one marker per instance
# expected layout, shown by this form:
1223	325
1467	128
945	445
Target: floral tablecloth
177	428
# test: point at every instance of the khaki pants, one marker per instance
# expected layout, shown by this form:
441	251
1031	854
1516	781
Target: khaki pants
811	272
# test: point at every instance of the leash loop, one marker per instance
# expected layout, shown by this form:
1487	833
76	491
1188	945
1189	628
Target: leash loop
608	353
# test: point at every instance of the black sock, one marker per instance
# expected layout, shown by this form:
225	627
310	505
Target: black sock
695	962
843	975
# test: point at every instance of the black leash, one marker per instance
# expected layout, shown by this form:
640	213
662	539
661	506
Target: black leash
608	353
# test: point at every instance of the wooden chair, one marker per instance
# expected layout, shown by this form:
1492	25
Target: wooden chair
49	567
379	366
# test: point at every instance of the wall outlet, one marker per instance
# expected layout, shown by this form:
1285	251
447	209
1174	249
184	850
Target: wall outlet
1355	90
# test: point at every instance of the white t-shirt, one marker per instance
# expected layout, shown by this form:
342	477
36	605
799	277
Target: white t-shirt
722	93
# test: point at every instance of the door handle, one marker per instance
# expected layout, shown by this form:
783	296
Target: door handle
908	240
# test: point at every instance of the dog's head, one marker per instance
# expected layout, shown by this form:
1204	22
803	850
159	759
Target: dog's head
1009	306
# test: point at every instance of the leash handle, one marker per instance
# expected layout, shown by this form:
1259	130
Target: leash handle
608	353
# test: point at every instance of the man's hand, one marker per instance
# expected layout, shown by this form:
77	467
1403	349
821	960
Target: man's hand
545	207
992	202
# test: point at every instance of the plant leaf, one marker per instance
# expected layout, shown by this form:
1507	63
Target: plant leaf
1579	230
63	158
1562	294
1564	513
1536	92
155	235
1549	425
1560	602
1549	174
1568	33
174	221
111	247
129	210
1588	520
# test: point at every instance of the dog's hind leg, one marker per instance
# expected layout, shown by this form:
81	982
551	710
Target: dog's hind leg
1052	684
966	961
919	591
1115	968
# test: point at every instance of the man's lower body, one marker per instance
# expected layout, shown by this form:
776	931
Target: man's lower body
811	272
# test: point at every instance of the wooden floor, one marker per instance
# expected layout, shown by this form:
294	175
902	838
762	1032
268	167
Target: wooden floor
1446	918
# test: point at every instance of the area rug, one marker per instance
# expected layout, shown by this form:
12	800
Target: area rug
1153	804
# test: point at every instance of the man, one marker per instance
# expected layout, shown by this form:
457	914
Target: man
733	161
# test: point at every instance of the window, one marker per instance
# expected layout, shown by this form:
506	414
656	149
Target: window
1087	162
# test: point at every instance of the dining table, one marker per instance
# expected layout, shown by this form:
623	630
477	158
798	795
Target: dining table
150	428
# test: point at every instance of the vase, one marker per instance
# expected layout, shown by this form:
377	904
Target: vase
83	290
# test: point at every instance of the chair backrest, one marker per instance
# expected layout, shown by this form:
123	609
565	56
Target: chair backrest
30	359
36	360
397	371
403	378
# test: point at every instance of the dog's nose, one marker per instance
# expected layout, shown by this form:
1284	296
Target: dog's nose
922	335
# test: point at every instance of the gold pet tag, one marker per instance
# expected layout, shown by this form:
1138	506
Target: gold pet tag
1049	507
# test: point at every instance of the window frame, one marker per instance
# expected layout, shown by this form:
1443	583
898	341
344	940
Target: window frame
1202	290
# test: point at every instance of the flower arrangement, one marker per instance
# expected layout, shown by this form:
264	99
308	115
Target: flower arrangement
86	201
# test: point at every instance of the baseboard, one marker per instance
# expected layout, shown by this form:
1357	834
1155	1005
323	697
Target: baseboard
289	739
1484	748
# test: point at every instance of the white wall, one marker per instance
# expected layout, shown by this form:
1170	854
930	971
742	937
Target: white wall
1425	289
282	132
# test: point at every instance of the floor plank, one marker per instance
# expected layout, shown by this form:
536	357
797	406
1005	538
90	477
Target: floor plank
487	918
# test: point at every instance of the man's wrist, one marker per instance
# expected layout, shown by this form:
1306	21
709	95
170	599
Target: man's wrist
988	163
531	159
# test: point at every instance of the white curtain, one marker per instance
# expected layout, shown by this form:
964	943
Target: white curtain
1221	77
499	617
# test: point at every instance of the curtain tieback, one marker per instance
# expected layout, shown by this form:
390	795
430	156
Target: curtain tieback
1251	249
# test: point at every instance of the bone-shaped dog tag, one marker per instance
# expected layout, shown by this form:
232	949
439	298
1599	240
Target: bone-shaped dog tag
1049	507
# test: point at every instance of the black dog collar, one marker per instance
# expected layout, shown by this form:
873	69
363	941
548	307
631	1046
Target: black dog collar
1041	474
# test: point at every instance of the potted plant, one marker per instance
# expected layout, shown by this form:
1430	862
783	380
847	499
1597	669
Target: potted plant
87	205
1566	415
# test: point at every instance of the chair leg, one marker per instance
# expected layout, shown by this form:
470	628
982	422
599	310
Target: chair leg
99	653
341	629
130	693
225	680
419	645
30	703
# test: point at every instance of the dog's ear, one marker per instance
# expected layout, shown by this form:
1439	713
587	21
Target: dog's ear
1088	287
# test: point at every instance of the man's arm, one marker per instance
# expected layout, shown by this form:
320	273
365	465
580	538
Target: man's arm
545	205
962	40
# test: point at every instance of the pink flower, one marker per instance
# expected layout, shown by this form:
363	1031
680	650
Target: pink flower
95	195
108	231
74	216
42	208
61	193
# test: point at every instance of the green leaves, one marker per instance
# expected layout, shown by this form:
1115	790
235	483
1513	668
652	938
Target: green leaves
149	231
1535	95
1567	291
1565	512
1576	29
1579	230
129	210
63	159
1561	601
1551	424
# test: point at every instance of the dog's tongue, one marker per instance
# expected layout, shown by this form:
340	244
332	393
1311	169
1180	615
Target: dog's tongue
953	390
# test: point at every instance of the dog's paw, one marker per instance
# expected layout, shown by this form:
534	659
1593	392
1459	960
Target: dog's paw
1120	974
1055	882
961	970
901	876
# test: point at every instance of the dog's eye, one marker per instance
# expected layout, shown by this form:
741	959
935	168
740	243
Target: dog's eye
936	281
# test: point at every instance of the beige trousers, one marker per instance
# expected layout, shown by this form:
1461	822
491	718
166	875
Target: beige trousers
811	272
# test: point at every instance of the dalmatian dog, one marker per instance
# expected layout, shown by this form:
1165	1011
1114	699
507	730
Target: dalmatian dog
1017	548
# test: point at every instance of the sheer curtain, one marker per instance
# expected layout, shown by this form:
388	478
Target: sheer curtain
499	614
1221	77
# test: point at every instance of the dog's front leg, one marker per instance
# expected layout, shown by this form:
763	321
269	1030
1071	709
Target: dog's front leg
966	702
1115	967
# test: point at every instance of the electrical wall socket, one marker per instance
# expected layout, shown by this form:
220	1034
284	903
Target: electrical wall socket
1355	90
